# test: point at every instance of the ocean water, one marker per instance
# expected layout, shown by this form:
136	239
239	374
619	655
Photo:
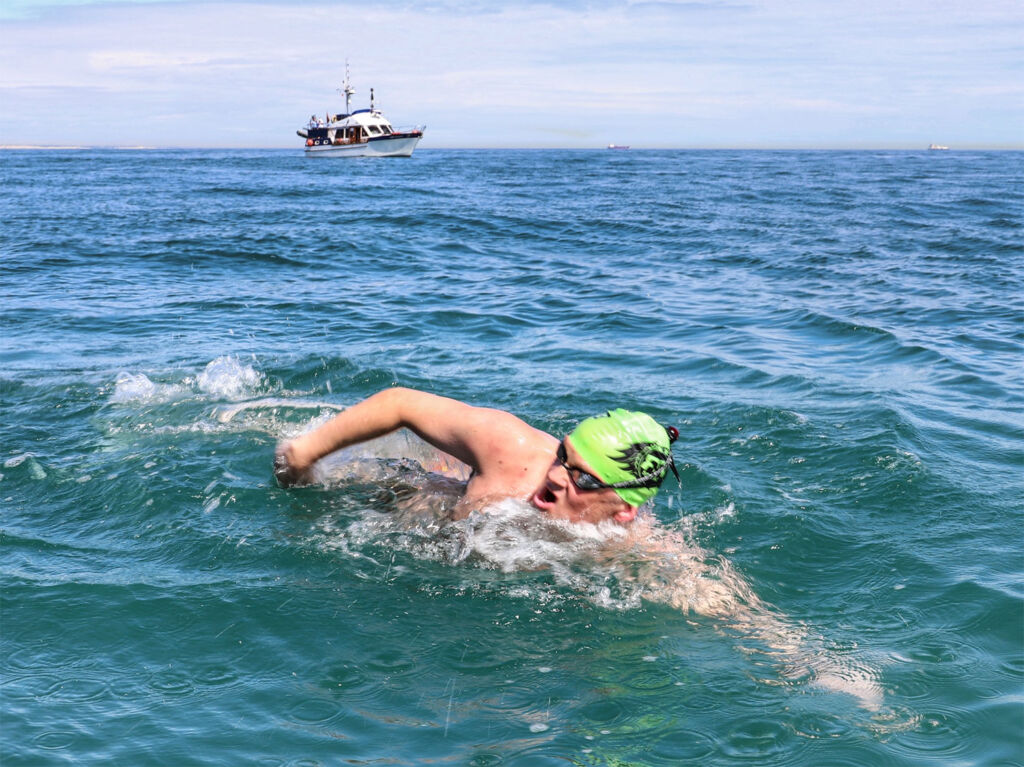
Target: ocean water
836	579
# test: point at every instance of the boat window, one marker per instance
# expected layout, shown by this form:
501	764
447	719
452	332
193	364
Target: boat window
373	129
385	129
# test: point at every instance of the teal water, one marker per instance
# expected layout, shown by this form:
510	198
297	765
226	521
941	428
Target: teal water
836	580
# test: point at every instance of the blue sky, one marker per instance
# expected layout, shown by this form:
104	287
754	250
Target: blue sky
736	73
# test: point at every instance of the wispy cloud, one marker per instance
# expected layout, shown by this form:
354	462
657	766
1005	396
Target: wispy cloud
104	61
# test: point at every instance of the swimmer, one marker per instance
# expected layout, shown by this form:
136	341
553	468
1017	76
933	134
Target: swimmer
603	471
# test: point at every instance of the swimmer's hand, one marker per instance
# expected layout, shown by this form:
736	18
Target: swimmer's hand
291	467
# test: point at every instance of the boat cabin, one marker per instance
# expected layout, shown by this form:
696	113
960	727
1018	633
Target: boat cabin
356	128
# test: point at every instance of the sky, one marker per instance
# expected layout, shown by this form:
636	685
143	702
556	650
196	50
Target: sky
861	74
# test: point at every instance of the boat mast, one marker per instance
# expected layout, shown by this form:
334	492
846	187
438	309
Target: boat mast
348	91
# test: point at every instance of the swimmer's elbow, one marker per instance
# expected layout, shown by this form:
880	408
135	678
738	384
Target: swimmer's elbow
398	403
414	409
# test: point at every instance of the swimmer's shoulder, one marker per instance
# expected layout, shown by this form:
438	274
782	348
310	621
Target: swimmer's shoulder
513	460
508	437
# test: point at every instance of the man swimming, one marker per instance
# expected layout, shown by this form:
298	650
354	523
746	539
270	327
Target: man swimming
603	471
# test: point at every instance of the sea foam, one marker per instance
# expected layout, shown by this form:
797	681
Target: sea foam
229	378
223	378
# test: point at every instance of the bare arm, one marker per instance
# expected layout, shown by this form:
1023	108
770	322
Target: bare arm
476	436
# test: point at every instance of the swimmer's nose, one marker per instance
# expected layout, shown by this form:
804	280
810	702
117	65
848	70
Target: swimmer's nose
557	477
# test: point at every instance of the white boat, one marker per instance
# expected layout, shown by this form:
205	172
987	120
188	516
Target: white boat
617	146
362	133
937	148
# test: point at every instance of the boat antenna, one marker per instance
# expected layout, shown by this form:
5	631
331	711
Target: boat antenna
371	99
348	91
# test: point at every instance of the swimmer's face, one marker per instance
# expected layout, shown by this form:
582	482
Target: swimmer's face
560	497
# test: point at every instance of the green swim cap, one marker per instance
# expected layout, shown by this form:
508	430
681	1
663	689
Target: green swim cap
623	446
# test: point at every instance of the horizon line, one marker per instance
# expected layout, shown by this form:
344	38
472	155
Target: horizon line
600	148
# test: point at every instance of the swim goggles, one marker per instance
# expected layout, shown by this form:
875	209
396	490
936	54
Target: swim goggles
586	481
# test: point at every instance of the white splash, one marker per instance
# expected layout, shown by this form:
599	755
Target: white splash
17	460
35	470
228	413
137	387
227	377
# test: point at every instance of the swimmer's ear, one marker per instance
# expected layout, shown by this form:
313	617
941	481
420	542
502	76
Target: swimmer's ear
625	514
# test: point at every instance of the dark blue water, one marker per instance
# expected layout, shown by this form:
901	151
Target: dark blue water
836	580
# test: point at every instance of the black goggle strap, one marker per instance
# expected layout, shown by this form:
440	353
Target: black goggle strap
656	478
673	435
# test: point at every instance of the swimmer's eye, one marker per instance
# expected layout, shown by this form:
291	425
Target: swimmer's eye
580	478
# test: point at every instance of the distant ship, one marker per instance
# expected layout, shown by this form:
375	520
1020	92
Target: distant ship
937	148
617	146
362	133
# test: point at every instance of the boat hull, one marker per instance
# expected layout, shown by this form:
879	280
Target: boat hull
399	146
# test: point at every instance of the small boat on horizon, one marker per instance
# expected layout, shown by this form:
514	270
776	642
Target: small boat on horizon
362	133
937	148
617	146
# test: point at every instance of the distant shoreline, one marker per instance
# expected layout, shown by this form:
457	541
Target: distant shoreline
32	146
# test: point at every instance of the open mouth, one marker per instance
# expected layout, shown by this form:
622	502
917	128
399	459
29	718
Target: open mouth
544	498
